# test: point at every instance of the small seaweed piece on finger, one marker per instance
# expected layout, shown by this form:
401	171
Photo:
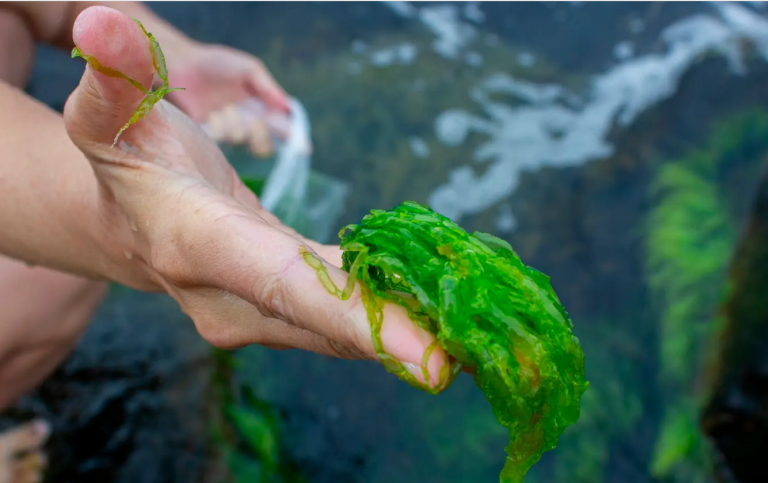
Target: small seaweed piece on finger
150	97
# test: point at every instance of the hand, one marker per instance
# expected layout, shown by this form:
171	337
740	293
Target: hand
217	76
181	221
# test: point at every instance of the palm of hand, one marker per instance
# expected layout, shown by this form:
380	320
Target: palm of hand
207	216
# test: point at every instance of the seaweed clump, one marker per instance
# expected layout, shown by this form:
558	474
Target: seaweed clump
490	313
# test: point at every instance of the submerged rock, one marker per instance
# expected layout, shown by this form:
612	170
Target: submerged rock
736	418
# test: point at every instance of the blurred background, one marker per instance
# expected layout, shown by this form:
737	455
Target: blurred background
619	147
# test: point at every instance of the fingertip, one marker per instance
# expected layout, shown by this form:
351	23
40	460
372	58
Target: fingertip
105	17
108	93
410	344
264	86
279	101
116	41
285	102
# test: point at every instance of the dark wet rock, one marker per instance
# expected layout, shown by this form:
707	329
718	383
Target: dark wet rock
129	404
736	418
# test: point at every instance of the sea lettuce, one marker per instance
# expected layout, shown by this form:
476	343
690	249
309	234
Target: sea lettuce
491	314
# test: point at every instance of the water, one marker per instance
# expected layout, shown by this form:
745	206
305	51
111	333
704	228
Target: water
617	146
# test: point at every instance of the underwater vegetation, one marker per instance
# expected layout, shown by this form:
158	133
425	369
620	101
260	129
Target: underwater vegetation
691	234
246	431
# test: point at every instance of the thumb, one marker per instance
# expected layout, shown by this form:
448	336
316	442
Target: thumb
105	100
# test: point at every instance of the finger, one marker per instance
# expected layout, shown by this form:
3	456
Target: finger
331	253
263	266
262	85
102	105
106	103
244	325
27	437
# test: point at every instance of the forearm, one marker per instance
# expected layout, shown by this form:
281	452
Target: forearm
50	213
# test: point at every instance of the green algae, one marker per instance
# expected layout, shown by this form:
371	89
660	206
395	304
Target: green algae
690	241
490	313
150	97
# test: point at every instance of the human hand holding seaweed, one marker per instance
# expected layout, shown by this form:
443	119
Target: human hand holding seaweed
181	221
185	222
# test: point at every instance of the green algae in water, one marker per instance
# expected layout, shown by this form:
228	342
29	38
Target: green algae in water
489	312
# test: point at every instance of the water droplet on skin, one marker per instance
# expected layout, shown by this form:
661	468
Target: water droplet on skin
128	254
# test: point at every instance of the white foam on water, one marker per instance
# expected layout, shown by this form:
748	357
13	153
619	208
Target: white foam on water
404	9
472	12
505	220
526	59
403	54
359	47
623	50
747	23
551	126
474	59
419	147
452	33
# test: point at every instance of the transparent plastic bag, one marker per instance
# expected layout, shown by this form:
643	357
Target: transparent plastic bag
307	201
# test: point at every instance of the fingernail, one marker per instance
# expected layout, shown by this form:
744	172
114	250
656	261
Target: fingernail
418	372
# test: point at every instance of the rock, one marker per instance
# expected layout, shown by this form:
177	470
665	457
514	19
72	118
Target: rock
129	404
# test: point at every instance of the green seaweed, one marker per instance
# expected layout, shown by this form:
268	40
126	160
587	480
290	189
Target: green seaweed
690	238
254	183
150	97
246	430
489	312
